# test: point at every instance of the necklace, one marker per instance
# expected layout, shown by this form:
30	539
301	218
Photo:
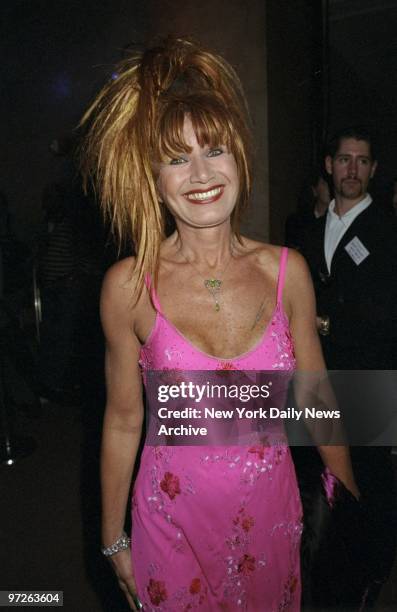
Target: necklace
213	285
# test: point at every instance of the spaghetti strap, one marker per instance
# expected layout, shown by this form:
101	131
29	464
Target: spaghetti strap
153	294
281	274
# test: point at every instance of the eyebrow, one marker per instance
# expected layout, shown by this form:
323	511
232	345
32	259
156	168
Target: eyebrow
351	155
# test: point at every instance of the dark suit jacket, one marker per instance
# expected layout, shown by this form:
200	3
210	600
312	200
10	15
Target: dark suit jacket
360	300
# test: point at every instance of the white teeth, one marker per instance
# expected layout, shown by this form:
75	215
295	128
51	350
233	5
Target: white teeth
204	196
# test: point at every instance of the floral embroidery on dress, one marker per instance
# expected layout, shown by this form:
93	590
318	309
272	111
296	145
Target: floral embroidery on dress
253	519
186	598
195	586
172	352
285	349
158	452
170	485
264	462
244	520
241	563
289	590
247	523
171	376
289	343
246	565
146	359
240	572
157	591
292	529
225	365
259	450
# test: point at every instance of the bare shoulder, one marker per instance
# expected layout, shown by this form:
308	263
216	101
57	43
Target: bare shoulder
255	248
119	274
117	294
297	270
264	255
298	288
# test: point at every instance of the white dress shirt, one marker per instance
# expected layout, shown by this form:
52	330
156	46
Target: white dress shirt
336	226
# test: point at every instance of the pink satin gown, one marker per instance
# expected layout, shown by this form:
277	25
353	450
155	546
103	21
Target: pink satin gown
217	528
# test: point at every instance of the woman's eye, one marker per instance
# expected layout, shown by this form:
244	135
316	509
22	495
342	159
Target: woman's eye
176	161
215	152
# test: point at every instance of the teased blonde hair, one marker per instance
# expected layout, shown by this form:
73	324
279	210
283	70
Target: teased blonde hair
137	120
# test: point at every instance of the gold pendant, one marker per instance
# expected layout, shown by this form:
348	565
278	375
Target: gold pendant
213	283
214	286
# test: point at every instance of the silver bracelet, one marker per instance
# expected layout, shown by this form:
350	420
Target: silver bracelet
120	544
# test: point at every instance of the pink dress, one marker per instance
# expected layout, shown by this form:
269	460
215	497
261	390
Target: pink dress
217	528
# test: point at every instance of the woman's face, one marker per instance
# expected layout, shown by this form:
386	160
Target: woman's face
200	188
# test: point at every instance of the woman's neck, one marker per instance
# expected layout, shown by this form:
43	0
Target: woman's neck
210	246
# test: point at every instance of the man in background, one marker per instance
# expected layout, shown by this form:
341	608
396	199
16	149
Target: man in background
352	255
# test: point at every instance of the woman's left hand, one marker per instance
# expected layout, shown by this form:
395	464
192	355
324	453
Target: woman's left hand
122	566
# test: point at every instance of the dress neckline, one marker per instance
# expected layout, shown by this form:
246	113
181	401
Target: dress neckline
277	309
208	355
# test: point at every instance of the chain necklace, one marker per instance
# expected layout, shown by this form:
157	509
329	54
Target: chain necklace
213	285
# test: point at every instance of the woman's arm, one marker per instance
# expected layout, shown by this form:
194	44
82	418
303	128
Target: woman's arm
123	419
300	302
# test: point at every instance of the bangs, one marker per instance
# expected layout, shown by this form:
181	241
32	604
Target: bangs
212	124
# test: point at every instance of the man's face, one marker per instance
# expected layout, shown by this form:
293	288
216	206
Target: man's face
351	168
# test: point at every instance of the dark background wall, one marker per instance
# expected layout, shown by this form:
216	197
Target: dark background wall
363	74
294	40
55	55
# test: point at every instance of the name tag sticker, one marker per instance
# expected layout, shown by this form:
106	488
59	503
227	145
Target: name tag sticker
357	250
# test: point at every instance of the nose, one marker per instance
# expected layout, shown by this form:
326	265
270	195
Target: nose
201	170
352	169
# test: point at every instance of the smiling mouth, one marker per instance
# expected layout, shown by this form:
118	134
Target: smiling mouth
204	197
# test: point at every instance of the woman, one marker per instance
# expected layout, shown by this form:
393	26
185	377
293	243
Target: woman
214	528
